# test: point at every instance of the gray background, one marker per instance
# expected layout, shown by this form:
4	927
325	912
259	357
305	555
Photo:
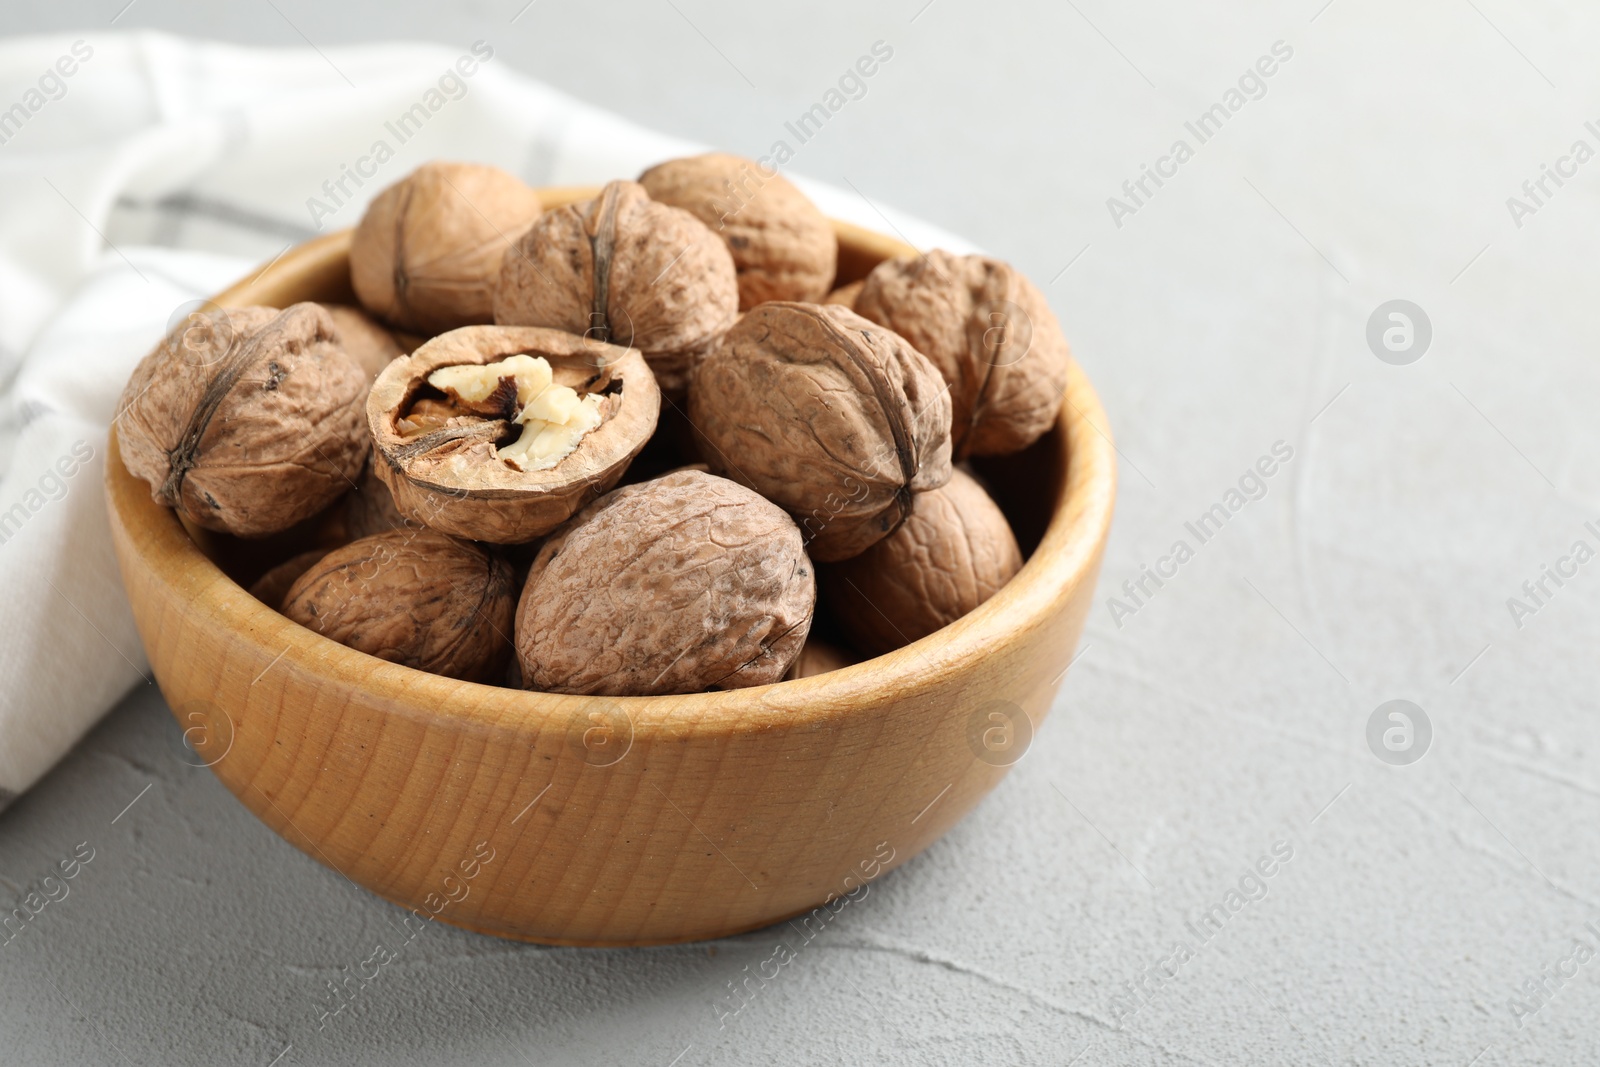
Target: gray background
1228	714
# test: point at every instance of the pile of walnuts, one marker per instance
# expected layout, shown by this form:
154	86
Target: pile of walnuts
617	447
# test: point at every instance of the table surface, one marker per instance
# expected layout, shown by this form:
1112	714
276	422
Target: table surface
1217	724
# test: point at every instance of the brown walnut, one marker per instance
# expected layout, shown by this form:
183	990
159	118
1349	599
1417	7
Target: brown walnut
953	553
452	463
247	420
783	247
623	269
414	597
838	421
426	253
677	585
992	335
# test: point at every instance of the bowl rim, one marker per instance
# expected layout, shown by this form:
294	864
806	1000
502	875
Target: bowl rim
1067	554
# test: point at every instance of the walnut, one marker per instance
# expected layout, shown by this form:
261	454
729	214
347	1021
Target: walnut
953	553
500	433
678	585
835	419
414	597
783	247
272	586
626	270
366	342
992	335
818	657
246	421
846	294
426	253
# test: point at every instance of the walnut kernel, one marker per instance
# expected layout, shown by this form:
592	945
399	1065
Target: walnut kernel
500	433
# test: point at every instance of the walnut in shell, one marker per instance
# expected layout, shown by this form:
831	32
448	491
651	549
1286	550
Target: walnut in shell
623	269
427	252
500	433
414	597
677	585
835	419
248	420
992	335
953	553
783	247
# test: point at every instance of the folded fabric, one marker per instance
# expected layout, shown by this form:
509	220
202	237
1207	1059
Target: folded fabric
140	172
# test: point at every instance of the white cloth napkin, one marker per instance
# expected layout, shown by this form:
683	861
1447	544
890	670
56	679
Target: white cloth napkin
140	172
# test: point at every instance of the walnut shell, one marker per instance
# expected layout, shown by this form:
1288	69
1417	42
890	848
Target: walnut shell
678	585
427	252
246	421
413	597
783	247
369	344
953	553
992	335
450	478
818	657
836	420
624	269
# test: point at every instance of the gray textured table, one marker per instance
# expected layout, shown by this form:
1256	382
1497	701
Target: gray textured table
1216	727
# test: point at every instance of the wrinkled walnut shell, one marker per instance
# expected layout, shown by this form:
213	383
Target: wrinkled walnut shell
992	335
624	269
413	597
677	585
450	479
953	553
365	341
427	252
836	420
783	248
246	421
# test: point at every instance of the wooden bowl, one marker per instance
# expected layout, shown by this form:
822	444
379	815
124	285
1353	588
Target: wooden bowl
633	821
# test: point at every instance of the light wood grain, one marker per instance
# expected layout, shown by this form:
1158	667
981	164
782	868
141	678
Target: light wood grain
729	811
